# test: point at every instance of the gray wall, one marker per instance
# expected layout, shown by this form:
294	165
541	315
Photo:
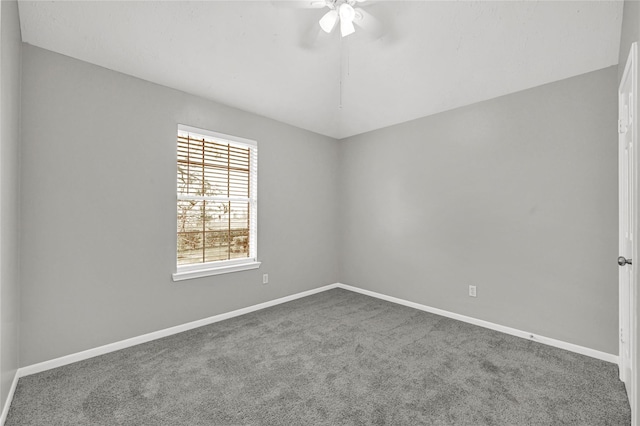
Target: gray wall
516	195
631	33
99	213
10	51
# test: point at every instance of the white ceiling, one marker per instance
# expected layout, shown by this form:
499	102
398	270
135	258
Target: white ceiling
272	59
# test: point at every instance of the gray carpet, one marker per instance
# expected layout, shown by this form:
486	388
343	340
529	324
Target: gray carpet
334	358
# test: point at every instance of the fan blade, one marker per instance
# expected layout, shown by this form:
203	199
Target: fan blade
300	4
368	3
318	4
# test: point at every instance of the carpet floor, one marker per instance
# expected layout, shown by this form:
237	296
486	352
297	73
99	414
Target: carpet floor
334	358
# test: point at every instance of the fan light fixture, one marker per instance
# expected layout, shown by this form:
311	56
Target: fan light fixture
328	21
346	19
340	10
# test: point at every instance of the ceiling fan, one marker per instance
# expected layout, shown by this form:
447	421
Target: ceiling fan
344	11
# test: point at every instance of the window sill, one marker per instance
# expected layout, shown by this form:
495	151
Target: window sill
215	270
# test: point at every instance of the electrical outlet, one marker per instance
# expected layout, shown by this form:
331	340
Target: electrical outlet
265	278
472	290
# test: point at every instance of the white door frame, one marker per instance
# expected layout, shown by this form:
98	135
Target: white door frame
628	297
2	142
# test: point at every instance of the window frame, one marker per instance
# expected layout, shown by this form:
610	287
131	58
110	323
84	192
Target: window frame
198	270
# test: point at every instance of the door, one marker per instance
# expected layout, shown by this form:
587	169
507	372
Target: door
627	162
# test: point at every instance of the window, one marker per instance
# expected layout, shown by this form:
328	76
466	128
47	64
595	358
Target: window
217	203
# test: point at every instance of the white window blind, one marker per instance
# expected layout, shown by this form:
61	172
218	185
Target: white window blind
216	198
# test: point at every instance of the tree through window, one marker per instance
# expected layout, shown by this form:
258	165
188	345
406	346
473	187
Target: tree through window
216	198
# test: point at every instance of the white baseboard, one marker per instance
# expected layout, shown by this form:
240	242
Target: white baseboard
7	403
101	350
486	324
111	347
